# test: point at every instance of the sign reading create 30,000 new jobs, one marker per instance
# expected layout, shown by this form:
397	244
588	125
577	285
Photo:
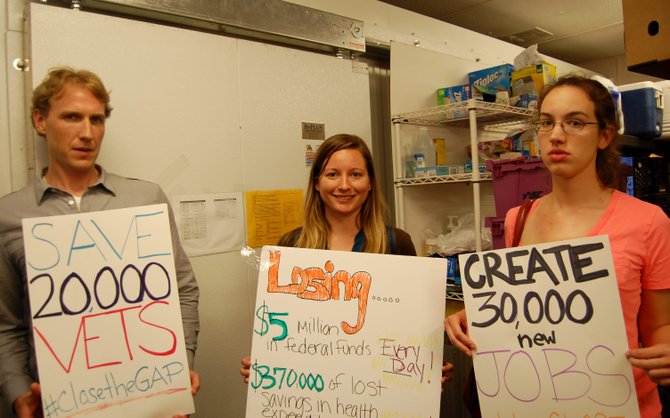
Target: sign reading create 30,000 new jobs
105	313
343	334
549	330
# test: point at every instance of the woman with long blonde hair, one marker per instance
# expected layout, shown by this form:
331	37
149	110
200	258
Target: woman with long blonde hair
344	208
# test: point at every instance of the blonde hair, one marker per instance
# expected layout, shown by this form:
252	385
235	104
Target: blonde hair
58	78
315	232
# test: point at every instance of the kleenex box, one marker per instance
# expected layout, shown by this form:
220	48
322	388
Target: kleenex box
492	80
531	80
453	94
642	105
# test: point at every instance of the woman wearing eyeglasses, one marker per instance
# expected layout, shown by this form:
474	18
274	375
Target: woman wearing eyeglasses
577	128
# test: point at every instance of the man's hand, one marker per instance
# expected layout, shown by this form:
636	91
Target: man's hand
195	387
29	404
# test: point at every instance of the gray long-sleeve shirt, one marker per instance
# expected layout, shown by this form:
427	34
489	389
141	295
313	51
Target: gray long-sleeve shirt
17	354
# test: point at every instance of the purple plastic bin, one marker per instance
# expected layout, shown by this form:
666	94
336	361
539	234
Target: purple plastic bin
517	179
497	226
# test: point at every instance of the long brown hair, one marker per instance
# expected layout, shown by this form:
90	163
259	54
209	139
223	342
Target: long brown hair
607	159
316	229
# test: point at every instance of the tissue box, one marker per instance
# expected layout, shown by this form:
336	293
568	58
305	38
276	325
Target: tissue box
531	80
492	79
453	94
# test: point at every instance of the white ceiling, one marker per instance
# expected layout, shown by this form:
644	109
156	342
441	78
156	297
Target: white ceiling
579	30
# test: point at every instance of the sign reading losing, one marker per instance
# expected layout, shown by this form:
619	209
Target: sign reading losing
346	334
105	314
549	330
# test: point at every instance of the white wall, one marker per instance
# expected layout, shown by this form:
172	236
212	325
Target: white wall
615	69
13	151
385	23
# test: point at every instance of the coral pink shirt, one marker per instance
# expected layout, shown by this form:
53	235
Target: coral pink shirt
639	235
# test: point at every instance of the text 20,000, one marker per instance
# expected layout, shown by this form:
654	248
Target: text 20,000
114	288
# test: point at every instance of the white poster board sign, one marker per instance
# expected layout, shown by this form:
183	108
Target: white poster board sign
549	330
105	311
347	334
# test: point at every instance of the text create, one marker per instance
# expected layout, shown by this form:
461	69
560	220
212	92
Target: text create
519	267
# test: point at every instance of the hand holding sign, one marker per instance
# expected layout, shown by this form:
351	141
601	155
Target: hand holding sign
106	318
549	331
338	333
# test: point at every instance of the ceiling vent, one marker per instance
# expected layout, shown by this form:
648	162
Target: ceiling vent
527	37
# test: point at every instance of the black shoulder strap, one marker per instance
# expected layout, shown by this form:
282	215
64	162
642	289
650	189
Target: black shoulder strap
390	238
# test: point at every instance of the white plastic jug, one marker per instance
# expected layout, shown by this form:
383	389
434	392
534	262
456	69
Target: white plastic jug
424	145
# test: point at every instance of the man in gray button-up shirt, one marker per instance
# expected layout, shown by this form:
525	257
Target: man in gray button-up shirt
69	110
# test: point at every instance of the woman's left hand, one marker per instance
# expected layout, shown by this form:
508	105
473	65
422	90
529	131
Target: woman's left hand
654	360
447	368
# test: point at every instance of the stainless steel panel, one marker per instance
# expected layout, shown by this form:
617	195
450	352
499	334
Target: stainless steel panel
275	20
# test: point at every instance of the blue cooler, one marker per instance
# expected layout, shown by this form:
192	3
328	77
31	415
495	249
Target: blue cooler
642	105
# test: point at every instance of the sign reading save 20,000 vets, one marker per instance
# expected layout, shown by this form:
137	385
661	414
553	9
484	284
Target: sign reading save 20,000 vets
343	334
549	330
105	314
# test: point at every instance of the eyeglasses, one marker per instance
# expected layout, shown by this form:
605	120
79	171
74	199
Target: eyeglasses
569	126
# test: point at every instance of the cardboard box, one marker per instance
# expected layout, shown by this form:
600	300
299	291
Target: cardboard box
440	151
492	80
453	94
531	80
646	26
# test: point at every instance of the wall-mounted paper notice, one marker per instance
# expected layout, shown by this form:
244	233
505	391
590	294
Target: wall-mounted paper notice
105	314
210	223
549	330
347	334
272	213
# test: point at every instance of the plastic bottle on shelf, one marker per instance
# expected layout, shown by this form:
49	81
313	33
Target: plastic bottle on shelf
409	161
424	145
